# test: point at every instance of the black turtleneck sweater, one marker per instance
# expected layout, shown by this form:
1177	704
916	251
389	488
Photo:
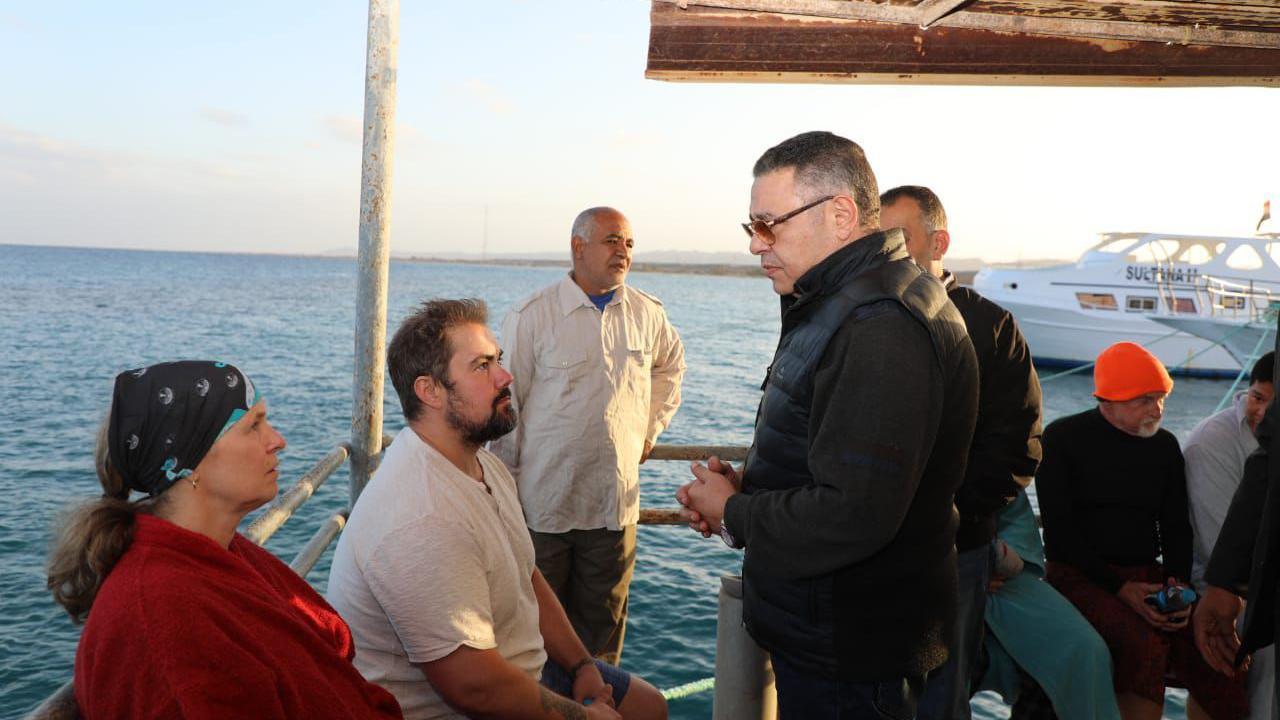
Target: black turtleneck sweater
1111	498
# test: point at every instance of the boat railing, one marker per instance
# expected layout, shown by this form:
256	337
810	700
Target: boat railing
279	512
61	705
1165	274
1235	300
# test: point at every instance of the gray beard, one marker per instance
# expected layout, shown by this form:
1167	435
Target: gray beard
1146	431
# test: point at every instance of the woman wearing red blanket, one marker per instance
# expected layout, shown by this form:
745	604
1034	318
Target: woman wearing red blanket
185	617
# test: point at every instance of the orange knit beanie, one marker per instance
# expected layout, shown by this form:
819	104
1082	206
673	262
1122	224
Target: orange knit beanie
1126	370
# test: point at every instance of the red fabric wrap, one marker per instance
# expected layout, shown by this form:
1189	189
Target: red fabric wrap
1143	659
185	628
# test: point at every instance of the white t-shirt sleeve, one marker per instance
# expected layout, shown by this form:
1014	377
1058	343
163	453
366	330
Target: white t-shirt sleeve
429	576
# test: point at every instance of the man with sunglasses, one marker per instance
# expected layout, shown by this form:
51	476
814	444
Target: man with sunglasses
597	368
844	505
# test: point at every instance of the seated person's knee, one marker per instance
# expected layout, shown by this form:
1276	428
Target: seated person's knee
643	702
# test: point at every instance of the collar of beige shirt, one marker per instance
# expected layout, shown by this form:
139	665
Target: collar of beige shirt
572	297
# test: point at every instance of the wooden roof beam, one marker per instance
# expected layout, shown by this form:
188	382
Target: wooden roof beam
717	45
1061	27
931	11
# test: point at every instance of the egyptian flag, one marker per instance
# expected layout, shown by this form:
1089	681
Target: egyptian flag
1266	215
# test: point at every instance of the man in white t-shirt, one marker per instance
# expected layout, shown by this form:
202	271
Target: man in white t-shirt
435	571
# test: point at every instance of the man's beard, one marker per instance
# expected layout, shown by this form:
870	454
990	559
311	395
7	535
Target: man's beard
499	423
1148	429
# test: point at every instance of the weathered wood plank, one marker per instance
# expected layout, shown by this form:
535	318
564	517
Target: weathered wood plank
1089	26
930	11
707	44
1145	11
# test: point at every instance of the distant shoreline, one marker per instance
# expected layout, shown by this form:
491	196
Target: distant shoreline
636	266
964	277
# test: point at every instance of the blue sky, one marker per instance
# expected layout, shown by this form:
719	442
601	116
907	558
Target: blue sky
236	126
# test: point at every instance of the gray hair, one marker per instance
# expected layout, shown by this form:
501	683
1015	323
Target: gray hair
827	163
585	224
931	212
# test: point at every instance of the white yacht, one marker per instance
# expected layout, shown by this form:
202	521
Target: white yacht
1070	312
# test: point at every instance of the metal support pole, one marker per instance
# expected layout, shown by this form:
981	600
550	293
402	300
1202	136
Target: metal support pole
375	246
287	502
744	676
310	553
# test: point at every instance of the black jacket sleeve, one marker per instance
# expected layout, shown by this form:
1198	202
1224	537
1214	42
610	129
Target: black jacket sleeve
1232	559
1006	442
873	421
1065	540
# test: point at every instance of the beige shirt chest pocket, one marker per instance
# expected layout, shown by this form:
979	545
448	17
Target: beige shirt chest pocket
640	358
564	372
639	367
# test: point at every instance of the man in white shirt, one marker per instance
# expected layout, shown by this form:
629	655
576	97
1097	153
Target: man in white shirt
597	369
1215	453
434	572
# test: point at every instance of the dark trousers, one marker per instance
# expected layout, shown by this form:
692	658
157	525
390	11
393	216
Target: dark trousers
807	697
590	572
946	697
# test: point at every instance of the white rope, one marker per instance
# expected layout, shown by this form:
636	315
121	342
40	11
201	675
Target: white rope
1244	368
687	689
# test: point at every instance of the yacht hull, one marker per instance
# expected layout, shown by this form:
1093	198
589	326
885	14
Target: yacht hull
1066	337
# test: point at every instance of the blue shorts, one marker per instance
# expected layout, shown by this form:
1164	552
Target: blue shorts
557	680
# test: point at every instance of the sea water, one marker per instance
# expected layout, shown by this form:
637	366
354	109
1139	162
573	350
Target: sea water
70	319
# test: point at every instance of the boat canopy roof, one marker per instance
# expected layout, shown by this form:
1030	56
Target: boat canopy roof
1213	253
989	42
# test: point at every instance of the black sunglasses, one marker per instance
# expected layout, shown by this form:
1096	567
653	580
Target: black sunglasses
764	228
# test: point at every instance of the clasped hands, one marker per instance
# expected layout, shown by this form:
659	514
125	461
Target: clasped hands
1134	594
704	498
589	688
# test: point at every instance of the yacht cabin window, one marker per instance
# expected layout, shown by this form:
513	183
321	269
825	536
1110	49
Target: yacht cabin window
1196	254
1155	252
1244	258
1184	305
1140	303
1096	301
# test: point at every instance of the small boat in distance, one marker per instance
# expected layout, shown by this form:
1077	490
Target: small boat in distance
1118	288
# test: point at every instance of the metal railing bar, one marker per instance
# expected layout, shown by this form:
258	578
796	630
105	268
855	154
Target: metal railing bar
266	524
61	705
731	453
310	553
661	516
671	516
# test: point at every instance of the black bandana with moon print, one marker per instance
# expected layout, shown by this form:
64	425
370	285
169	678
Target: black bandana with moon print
164	419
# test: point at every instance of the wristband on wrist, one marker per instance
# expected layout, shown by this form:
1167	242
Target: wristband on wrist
577	667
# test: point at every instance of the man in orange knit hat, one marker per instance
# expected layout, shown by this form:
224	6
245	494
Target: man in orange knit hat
1113	498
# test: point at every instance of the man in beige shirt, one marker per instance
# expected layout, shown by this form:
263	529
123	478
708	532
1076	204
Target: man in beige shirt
597	370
